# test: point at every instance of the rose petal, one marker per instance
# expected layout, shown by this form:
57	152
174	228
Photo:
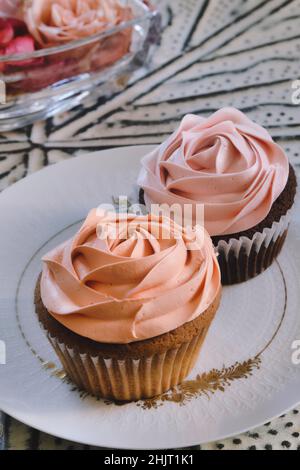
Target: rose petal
20	45
6	32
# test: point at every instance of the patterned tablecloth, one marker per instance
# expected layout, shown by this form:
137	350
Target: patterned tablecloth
213	53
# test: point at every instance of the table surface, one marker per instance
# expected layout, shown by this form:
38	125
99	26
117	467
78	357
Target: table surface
213	53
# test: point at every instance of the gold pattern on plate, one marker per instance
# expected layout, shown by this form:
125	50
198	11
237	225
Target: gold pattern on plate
48	365
205	384
56	372
60	374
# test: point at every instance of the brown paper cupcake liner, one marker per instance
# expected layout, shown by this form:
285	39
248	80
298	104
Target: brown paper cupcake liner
131	379
244	258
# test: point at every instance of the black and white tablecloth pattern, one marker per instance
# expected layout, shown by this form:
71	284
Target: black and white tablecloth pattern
213	53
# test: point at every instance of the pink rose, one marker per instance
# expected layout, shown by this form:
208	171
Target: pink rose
6	32
54	22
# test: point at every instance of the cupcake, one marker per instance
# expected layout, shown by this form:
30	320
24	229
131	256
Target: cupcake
231	167
127	302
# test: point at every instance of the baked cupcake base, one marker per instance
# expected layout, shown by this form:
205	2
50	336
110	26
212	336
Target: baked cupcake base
127	372
246	254
244	259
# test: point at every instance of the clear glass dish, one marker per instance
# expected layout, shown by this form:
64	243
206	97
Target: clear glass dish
52	80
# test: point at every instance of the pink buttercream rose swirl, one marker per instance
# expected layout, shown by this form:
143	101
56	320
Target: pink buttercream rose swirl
225	162
142	282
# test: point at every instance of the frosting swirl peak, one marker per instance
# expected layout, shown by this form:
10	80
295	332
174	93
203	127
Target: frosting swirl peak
225	162
149	278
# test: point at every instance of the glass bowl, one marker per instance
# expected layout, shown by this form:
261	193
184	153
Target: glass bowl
38	85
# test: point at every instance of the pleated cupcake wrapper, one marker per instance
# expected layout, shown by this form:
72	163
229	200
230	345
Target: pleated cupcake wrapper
244	258
130	379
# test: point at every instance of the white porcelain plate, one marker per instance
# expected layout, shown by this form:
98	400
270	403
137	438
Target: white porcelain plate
250	344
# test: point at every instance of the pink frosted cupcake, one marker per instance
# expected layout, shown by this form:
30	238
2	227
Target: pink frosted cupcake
127	312
243	179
